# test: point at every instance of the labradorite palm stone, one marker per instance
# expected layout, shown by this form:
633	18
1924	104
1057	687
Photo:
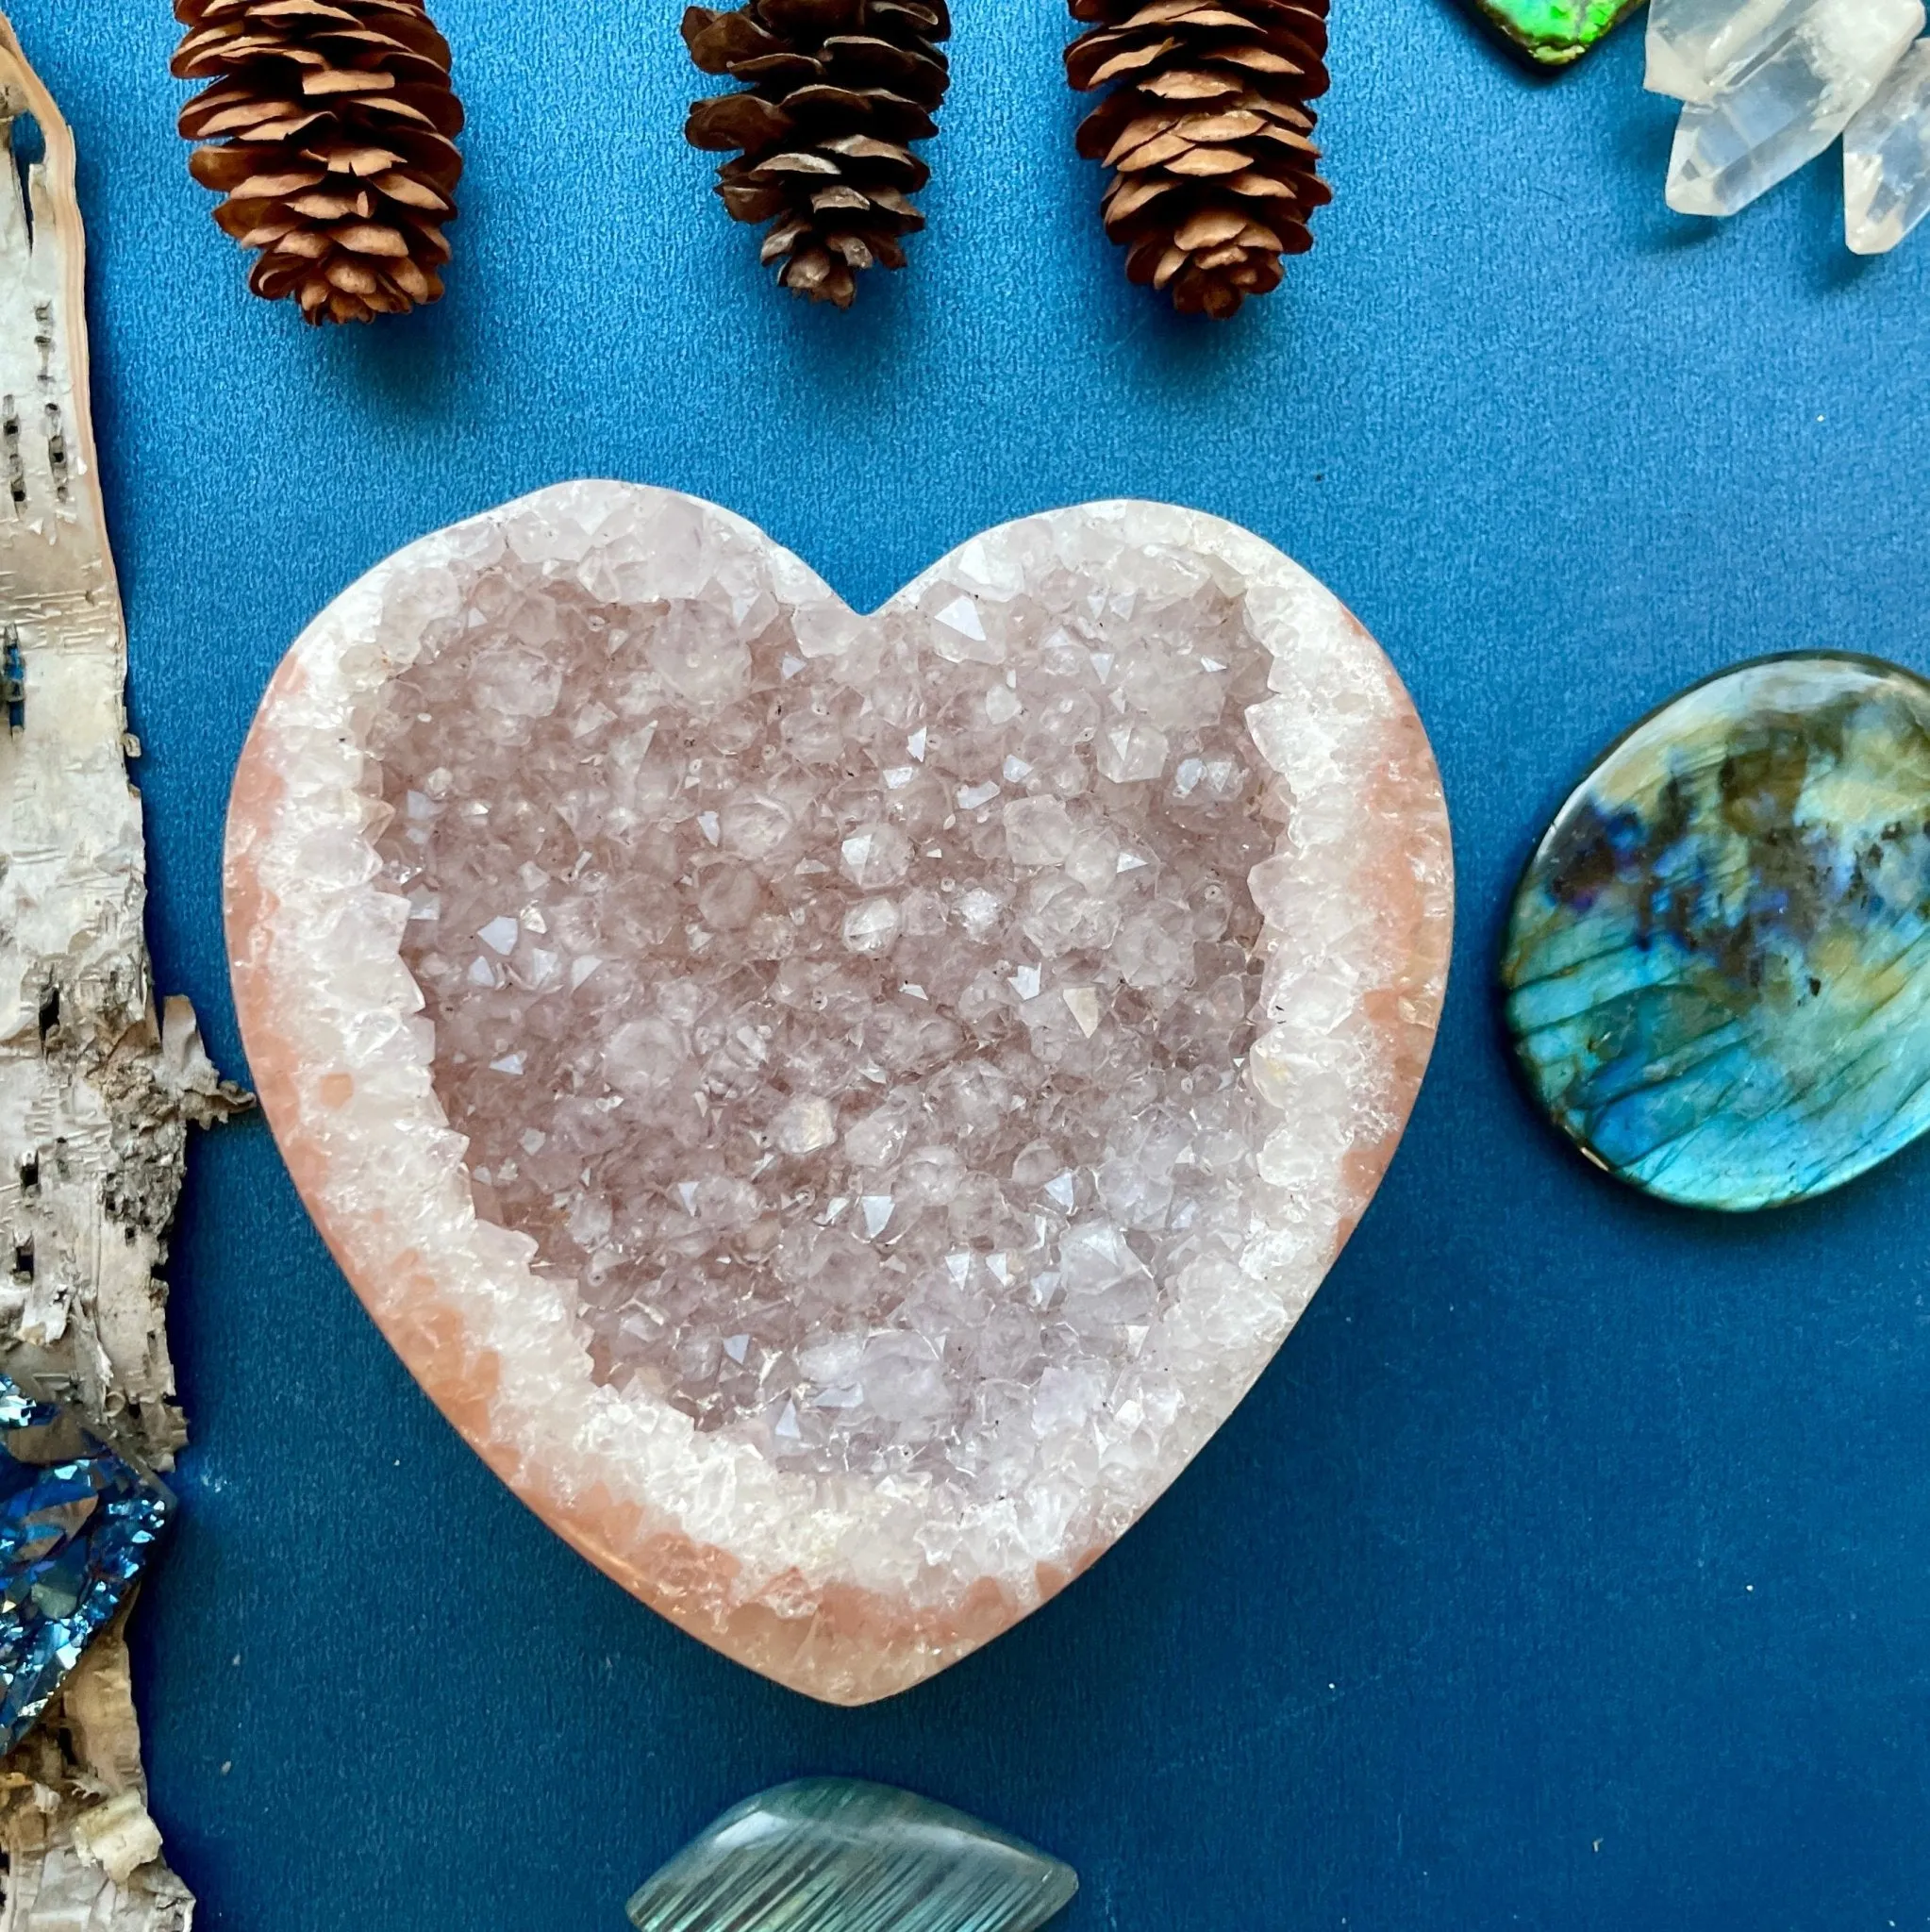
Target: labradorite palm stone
1718	966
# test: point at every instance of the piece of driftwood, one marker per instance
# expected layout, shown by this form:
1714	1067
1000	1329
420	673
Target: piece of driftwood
97	1091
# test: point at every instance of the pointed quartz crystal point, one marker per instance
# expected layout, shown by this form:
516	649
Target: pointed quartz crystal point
1886	158
1692	44
835	1855
1785	102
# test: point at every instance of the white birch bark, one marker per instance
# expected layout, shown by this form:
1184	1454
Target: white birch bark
96	1091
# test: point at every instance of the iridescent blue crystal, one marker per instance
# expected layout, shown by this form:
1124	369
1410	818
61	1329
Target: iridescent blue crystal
77	1524
833	1855
1718	968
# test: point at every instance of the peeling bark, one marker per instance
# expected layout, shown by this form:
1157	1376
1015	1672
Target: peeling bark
82	1854
97	1089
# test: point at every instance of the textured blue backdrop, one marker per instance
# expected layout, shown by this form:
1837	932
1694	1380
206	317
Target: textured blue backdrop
1568	1569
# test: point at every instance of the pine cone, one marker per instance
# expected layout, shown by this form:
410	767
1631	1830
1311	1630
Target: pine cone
330	126
1209	132
837	88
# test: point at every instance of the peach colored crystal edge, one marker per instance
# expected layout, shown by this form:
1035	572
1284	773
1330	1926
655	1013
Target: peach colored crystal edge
462	1321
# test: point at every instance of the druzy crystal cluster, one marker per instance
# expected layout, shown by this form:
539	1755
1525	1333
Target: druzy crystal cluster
838	1109
1717	963
860	1035
1768	84
78	1526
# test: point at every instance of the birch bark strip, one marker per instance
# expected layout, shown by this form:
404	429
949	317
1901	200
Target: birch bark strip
96	1090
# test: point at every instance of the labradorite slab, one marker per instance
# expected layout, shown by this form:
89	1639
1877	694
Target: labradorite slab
1553	33
836	1854
1718	967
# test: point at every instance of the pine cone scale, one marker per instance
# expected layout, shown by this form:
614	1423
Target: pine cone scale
779	165
329	126
721	42
267	188
321	207
1207	161
728	121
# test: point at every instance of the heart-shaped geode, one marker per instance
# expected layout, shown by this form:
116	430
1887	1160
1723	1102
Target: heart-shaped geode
836	1110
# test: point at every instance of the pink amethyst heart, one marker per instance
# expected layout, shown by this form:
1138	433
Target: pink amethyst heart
836	1110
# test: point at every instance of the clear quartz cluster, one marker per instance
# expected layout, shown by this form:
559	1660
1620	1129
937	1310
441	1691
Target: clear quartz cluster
1769	83
1886	157
838	1109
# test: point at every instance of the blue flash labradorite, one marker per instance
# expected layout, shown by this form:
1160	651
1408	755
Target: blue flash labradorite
78	1526
834	1855
1718	968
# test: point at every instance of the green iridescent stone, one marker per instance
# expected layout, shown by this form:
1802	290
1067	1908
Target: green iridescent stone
1718	966
835	1855
1554	32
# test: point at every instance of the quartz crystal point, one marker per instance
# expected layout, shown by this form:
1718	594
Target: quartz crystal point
1718	968
1692	44
77	1524
836	1110
833	1855
1795	78
1886	158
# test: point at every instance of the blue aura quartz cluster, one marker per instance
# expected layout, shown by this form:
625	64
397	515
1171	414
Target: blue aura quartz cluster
837	1854
1718	968
77	1524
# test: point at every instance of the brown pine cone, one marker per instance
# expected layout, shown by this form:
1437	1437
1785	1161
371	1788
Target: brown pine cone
836	89
330	126
1209	132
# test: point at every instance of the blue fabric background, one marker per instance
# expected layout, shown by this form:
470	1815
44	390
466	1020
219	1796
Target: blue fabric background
1568	1569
